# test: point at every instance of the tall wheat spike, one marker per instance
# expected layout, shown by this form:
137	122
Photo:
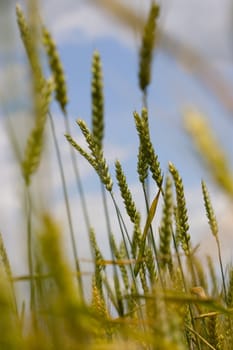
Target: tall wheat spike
165	230
35	142
142	165
209	210
214	229
182	215
125	192
148	152
147	47
96	158
30	44
137	236
150	265
97	100
183	236
42	91
56	68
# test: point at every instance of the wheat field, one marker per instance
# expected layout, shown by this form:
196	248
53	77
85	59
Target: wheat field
152	290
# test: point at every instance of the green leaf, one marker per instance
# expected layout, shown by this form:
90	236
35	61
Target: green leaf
149	220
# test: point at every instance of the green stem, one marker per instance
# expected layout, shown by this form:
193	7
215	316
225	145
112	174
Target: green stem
67	204
121	224
120	221
221	268
152	239
77	175
109	230
146	187
29	248
145	99
185	287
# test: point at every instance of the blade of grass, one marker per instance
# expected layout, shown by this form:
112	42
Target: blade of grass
149	220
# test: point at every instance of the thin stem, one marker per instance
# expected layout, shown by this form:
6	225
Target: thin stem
146	187
221	267
30	259
127	252
29	248
67	204
184	284
145	99
121	222
190	263
77	175
106	213
201	338
109	230
152	240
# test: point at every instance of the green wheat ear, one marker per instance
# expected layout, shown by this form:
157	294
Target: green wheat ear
42	92
34	146
181	211
125	192
31	47
209	210
146	149
30	44
96	157
142	165
56	68
98	258
97	100
165	230
214	229
147	47
98	303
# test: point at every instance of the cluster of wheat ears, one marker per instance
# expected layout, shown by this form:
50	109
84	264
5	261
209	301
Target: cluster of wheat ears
154	293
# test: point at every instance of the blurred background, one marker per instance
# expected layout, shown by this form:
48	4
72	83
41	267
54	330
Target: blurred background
193	67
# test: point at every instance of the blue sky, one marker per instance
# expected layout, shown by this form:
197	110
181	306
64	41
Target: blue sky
79	28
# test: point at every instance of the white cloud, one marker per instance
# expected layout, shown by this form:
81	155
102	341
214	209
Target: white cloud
205	25
78	22
89	21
